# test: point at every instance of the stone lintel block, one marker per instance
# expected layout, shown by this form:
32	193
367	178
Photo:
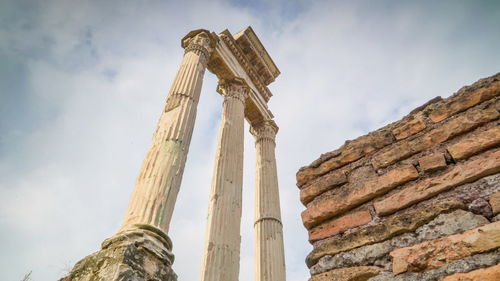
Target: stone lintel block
491	273
495	202
462	173
432	162
409	128
405	222
339	225
475	143
139	254
461	102
358	273
322	184
349	152
436	253
350	197
456	126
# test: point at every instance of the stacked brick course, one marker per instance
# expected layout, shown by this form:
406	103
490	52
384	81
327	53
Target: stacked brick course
418	199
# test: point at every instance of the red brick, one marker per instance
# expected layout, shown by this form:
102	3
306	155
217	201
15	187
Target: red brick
350	152
322	184
464	101
339	225
432	162
353	197
475	144
409	128
486	164
436	253
406	148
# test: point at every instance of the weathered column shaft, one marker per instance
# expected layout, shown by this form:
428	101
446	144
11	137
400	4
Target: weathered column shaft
222	245
153	199
269	250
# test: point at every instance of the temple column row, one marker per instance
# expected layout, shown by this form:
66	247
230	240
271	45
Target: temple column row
222	245
153	199
141	249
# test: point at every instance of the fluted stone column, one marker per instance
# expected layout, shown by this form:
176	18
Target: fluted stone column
222	245
141	250
158	183
269	250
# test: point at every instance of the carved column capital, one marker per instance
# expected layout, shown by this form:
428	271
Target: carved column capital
233	89
201	41
264	130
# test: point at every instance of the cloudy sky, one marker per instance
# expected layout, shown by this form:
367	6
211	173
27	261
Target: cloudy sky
82	84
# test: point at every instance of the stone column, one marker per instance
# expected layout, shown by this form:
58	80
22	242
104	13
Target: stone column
222	245
269	250
153	199
141	250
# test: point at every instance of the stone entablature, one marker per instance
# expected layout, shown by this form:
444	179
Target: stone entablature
415	200
228	62
257	55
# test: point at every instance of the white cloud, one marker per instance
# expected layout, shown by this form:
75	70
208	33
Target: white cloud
97	78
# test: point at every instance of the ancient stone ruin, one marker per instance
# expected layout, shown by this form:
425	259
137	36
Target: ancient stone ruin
418	199
141	250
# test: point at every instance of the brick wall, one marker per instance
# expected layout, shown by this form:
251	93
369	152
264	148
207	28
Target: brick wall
418	199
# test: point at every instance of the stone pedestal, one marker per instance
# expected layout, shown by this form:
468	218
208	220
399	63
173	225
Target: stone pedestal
142	253
222	245
269	250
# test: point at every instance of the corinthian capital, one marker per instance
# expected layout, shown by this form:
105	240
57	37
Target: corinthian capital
264	130
200	40
233	88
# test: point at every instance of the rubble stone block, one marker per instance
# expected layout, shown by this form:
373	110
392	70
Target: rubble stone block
436	253
464	265
377	254
491	273
402	223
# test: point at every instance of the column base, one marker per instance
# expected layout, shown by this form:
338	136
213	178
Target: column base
142	253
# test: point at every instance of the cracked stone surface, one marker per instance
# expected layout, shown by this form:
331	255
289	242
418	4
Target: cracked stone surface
135	255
